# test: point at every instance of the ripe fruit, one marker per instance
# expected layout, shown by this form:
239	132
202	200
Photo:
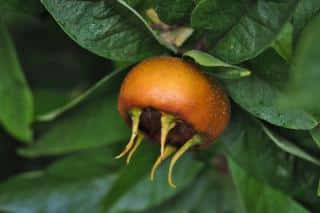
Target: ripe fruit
174	103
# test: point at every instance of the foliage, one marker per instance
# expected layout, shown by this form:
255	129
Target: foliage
61	65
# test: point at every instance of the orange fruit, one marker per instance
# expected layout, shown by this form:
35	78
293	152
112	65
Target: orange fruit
179	88
173	101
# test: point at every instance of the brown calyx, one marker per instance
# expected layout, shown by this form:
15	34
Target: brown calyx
150	125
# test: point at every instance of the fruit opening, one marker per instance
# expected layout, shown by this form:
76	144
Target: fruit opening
150	125
175	136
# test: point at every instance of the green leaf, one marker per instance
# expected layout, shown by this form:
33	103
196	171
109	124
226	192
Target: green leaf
129	176
94	122
256	29
74	184
272	68
217	16
263	92
207	60
145	193
288	146
173	11
305	71
211	192
301	138
132	181
260	99
79	182
283	44
315	133
155	35
258	197
104	29
16	105
305	11
248	146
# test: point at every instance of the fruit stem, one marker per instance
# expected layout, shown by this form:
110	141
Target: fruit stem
195	140
139	139
168	151
135	114
167	123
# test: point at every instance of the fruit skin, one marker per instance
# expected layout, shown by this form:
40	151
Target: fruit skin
177	87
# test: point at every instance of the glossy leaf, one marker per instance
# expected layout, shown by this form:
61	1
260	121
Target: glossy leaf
217	16
249	147
175	11
263	93
258	197
104	28
260	99
16	105
256	29
207	60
